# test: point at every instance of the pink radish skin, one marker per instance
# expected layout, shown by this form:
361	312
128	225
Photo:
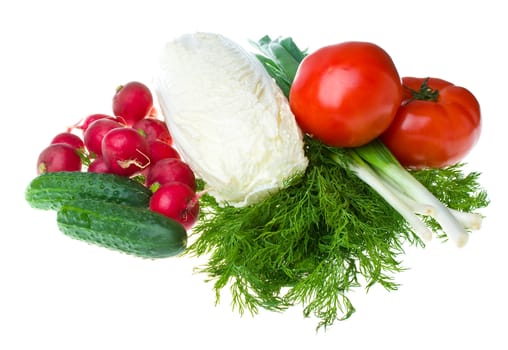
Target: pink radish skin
58	157
154	129
132	101
91	118
160	150
125	151
85	123
70	139
95	133
177	201
98	165
170	170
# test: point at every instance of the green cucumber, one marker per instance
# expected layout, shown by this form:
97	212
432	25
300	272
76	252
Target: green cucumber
132	230
50	190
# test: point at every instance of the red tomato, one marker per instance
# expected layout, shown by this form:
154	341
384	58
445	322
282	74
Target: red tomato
347	94
436	126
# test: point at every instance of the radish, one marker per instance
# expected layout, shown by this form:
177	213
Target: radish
70	139
154	129
132	101
125	151
98	165
160	150
85	123
177	201
95	132
58	157
170	170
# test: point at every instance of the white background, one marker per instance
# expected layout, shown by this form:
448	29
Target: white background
61	61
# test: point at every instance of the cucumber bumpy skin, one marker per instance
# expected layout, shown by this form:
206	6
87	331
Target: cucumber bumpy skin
132	230
50	191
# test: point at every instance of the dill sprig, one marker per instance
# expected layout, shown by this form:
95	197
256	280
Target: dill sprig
454	188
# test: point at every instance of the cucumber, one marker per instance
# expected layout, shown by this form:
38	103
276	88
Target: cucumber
50	190
132	230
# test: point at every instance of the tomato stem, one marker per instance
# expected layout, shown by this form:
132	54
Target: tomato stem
425	93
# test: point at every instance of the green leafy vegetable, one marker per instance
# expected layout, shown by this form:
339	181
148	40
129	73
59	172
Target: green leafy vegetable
326	233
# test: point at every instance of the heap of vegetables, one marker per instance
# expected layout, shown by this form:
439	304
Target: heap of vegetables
116	181
344	221
299	176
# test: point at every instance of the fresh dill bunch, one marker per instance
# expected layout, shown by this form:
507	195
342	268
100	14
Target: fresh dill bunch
325	233
309	244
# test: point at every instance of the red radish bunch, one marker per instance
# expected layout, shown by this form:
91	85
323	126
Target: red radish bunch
130	142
